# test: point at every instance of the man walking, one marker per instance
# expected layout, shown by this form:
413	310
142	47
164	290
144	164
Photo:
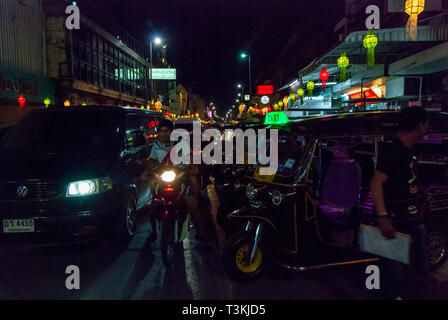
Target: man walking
396	196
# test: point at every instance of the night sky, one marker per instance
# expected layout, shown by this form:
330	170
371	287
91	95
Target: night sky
205	37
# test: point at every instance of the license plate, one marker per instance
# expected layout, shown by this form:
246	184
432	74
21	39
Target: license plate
18	225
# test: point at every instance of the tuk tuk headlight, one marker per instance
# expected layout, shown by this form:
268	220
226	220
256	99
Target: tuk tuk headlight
251	191
237	185
277	197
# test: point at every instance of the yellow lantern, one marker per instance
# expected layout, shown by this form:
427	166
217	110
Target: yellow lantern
280	104
47	102
196	115
310	87
241	108
343	63
67	103
370	41
285	101
301	92
413	8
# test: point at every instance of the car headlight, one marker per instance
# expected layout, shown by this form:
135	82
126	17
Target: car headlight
251	191
277	197
88	187
168	176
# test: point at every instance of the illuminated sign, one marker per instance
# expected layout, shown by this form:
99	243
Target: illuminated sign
162	74
246	97
265	89
264	99
368	94
276	117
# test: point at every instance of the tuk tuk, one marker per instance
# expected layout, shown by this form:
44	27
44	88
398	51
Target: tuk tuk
289	219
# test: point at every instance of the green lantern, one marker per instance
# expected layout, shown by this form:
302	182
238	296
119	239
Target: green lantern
275	106
343	63
47	102
292	97
310	87
280	104
301	92
370	42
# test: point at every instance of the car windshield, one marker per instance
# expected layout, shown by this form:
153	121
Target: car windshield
63	128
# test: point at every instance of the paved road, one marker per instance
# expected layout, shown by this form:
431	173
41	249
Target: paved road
136	272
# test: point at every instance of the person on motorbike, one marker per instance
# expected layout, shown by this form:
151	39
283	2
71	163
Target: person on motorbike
159	152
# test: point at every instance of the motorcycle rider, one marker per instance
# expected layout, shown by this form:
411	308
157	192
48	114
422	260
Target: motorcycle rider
159	151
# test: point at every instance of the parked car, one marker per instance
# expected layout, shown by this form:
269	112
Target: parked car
74	174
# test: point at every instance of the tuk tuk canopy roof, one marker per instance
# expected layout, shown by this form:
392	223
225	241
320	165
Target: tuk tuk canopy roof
362	124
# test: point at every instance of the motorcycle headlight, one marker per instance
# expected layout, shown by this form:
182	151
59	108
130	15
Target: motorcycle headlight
88	187
168	176
251	191
277	197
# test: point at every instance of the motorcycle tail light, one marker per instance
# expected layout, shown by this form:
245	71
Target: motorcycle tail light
169	188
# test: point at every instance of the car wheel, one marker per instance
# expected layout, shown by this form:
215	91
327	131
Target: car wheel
437	245
236	257
126	220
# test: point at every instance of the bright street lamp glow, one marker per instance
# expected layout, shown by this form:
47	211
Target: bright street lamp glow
157	40
243	55
239	85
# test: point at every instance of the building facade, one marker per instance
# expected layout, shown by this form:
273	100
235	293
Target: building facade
23	64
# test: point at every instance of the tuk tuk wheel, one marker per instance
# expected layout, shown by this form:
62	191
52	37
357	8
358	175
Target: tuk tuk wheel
437	245
236	257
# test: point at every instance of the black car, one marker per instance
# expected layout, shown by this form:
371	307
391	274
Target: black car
72	174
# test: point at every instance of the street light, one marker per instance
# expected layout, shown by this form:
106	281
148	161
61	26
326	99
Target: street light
157	41
243	56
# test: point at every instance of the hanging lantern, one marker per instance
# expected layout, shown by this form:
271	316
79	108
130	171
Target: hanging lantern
343	63
292	97
196	115
413	8
280	104
275	106
285	101
301	92
370	41
47	102
241	108
310	87
67	103
21	101
324	77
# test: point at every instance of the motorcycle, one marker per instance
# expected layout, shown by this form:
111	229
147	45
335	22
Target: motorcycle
169	196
